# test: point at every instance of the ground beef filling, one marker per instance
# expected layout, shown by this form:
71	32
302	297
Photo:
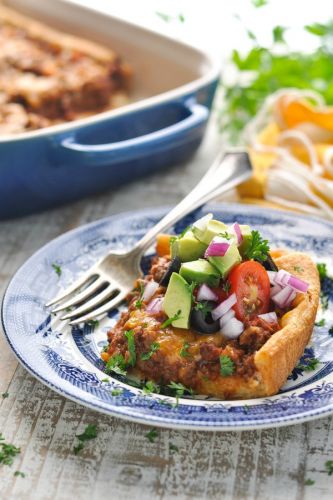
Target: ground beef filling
202	357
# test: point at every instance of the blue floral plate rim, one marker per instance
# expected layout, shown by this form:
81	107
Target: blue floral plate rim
309	400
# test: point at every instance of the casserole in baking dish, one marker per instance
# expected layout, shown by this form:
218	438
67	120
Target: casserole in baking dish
170	100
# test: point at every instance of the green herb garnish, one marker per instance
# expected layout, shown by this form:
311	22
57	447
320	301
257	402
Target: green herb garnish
225	235
116	392
320	322
203	306
152	435
19	473
227	366
7	452
57	269
312	365
154	346
258	248
131	346
259	3
324	300
173	448
169	321
139	302
322	270
309	482
93	323
226	286
184	350
90	432
151	387
179	388
5	395
106	380
116	364
329	467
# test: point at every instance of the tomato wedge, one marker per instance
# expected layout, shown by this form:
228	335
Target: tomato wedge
250	282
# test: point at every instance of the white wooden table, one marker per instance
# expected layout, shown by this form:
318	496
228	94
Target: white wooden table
121	463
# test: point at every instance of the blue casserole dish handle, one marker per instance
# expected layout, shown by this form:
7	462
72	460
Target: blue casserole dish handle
192	118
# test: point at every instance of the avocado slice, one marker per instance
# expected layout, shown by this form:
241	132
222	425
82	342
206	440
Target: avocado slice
178	301
227	262
187	248
213	228
200	271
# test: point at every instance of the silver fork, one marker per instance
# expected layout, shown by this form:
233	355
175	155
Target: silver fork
108	282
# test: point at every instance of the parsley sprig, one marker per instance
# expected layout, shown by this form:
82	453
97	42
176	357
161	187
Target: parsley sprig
322	270
139	302
7	452
116	364
129	334
57	269
329	467
227	366
205	307
258	248
154	346
184	350
90	432
312	365
151	387
152	435
169	321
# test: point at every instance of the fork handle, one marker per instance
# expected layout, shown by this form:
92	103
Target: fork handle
229	169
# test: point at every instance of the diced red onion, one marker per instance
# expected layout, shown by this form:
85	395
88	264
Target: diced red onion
233	329
226	317
150	289
201	224
205	293
297	284
275	289
270	317
238	232
284	297
272	277
217	248
282	277
155	305
224	307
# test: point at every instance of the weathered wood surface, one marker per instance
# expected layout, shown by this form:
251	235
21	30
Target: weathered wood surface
121	463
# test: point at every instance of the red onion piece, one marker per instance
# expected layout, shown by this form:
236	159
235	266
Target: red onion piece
226	317
284	297
150	289
275	289
282	277
270	317
217	248
205	293
238	232
224	307
155	305
272	277
233	329
201	224
297	284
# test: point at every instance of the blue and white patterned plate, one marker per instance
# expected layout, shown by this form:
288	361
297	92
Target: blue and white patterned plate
67	360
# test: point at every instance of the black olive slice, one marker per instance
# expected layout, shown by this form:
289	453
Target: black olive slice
202	322
269	264
174	267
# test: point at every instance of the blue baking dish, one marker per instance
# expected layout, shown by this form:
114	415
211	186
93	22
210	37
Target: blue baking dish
164	123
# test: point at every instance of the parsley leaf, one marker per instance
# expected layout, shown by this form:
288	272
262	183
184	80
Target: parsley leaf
93	323
169	321
131	346
173	448
324	300
312	365
5	395
150	387
116	392
19	473
7	452
139	302
184	350
320	322
116	364
90	432
227	366
57	269
329	467
179	388
309	482
203	306
152	435
226	286
106	380
258	248
259	3
225	235
154	346
322	270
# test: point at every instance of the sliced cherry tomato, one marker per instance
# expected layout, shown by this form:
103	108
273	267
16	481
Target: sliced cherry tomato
250	282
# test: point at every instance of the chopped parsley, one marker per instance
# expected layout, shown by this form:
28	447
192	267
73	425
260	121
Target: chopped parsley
226	286
329	467
116	364
227	366
5	395
309	482
90	432
184	350
7	452
169	321
203	306
116	392
191	288
321	322
168	18
93	323
152	435
225	235
57	269
179	390
138	303
298	269
188	228
106	380
322	270
150	387
19	473
131	347
258	248
173	448
312	365
154	346
324	300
